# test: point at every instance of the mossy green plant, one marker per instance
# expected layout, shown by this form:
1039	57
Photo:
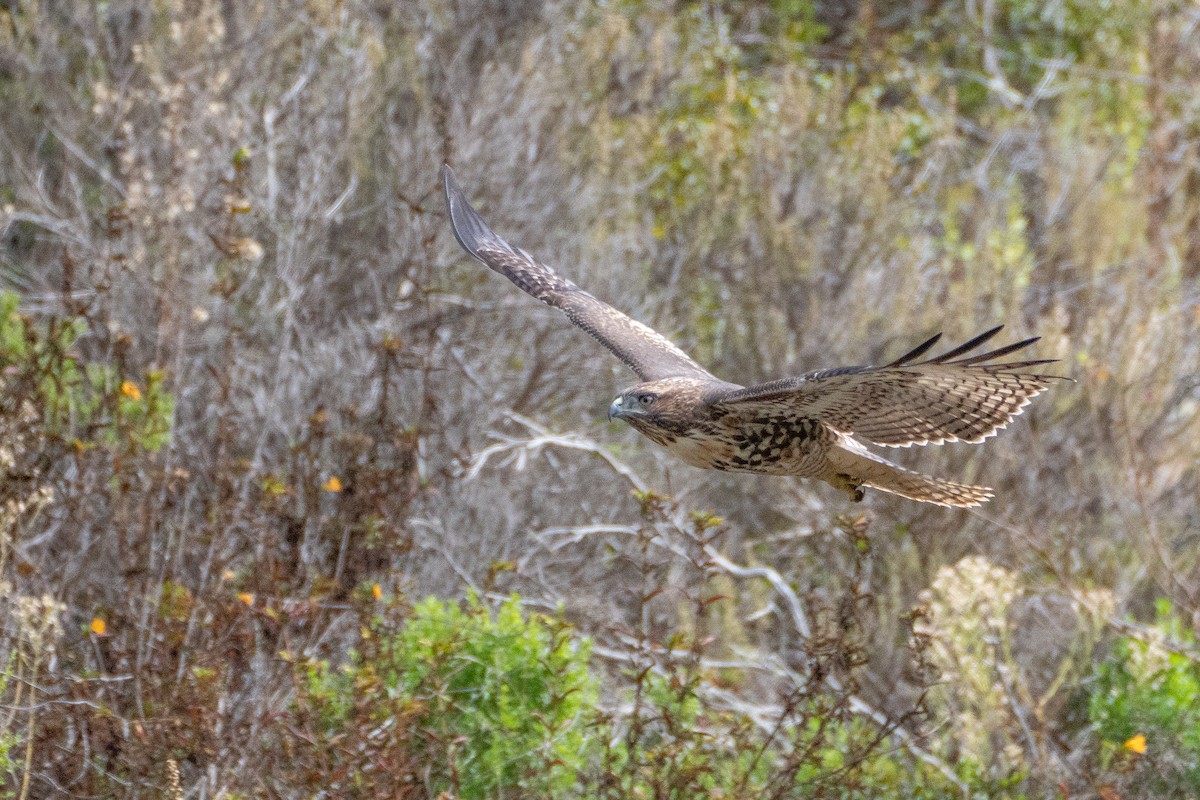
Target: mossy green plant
499	698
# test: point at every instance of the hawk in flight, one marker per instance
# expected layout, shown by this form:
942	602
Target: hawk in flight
808	426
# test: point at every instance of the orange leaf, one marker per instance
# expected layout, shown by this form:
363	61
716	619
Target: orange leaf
376	591
1136	743
99	626
334	484
247	598
131	390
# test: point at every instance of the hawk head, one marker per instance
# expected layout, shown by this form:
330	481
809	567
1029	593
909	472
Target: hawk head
662	410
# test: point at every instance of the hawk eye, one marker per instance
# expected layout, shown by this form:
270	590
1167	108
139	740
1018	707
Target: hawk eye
645	399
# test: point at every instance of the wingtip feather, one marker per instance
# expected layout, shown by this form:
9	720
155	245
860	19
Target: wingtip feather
967	347
917	351
470	230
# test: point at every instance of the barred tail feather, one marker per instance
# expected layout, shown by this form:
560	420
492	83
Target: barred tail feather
926	489
860	467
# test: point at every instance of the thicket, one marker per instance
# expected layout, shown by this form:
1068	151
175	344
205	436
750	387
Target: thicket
263	426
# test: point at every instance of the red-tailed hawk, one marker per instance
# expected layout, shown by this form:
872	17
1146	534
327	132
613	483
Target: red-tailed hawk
804	426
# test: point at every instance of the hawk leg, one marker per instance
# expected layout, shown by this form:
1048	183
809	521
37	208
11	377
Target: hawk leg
854	466
849	486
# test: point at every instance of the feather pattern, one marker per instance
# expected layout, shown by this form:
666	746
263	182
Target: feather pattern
944	399
645	351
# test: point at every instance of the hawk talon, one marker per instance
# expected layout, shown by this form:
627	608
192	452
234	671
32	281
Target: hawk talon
850	486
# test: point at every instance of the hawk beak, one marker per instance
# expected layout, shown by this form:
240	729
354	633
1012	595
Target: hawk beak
615	409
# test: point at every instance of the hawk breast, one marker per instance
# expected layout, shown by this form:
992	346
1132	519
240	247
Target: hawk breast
775	445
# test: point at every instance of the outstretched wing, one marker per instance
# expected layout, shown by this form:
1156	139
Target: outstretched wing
646	352
906	402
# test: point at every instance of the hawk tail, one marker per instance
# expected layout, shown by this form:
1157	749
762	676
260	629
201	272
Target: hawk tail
854	468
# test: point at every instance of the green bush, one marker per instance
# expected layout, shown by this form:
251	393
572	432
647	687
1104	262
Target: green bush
84	403
483	704
678	746
494	701
673	746
1144	698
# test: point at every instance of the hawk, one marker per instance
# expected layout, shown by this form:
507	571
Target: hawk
807	426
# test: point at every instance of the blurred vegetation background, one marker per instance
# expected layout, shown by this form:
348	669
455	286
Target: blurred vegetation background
298	501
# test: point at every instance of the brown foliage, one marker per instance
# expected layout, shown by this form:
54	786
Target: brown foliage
244	195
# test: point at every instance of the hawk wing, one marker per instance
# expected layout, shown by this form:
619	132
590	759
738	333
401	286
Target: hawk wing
643	350
906	402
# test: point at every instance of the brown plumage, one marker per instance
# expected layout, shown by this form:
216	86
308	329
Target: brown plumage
801	426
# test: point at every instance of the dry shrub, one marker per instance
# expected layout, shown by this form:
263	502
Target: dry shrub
241	199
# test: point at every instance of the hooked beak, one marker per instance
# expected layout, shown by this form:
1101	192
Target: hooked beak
616	409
